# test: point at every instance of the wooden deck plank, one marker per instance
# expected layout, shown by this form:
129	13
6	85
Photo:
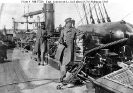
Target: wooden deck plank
10	88
13	88
19	72
19	75
3	89
13	72
1	68
5	66
7	75
2	78
22	72
14	76
25	78
11	68
8	78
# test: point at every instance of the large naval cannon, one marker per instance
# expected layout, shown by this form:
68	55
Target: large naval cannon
104	47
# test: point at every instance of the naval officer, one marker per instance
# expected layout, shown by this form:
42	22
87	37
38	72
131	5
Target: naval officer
67	38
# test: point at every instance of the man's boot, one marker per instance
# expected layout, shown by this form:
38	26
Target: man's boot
34	55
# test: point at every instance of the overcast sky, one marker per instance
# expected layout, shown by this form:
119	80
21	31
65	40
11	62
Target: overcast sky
116	11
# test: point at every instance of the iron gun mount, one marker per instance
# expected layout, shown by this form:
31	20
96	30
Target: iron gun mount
104	45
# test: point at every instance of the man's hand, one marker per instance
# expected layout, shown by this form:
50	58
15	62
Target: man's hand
80	37
56	42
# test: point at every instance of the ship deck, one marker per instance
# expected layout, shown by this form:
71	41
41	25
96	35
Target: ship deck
21	74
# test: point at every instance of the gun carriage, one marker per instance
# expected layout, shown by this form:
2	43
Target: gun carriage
103	47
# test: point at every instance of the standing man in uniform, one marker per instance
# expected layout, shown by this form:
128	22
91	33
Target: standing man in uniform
38	37
67	38
41	37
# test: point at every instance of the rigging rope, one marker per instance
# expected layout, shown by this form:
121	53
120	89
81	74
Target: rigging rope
88	11
85	13
98	20
103	20
127	15
84	16
79	13
102	10
91	15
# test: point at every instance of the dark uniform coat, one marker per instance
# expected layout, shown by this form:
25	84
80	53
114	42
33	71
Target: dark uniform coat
67	38
39	35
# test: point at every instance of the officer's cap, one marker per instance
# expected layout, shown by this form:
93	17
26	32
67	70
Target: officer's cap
68	20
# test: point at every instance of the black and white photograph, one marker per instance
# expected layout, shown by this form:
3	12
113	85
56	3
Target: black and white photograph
66	46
